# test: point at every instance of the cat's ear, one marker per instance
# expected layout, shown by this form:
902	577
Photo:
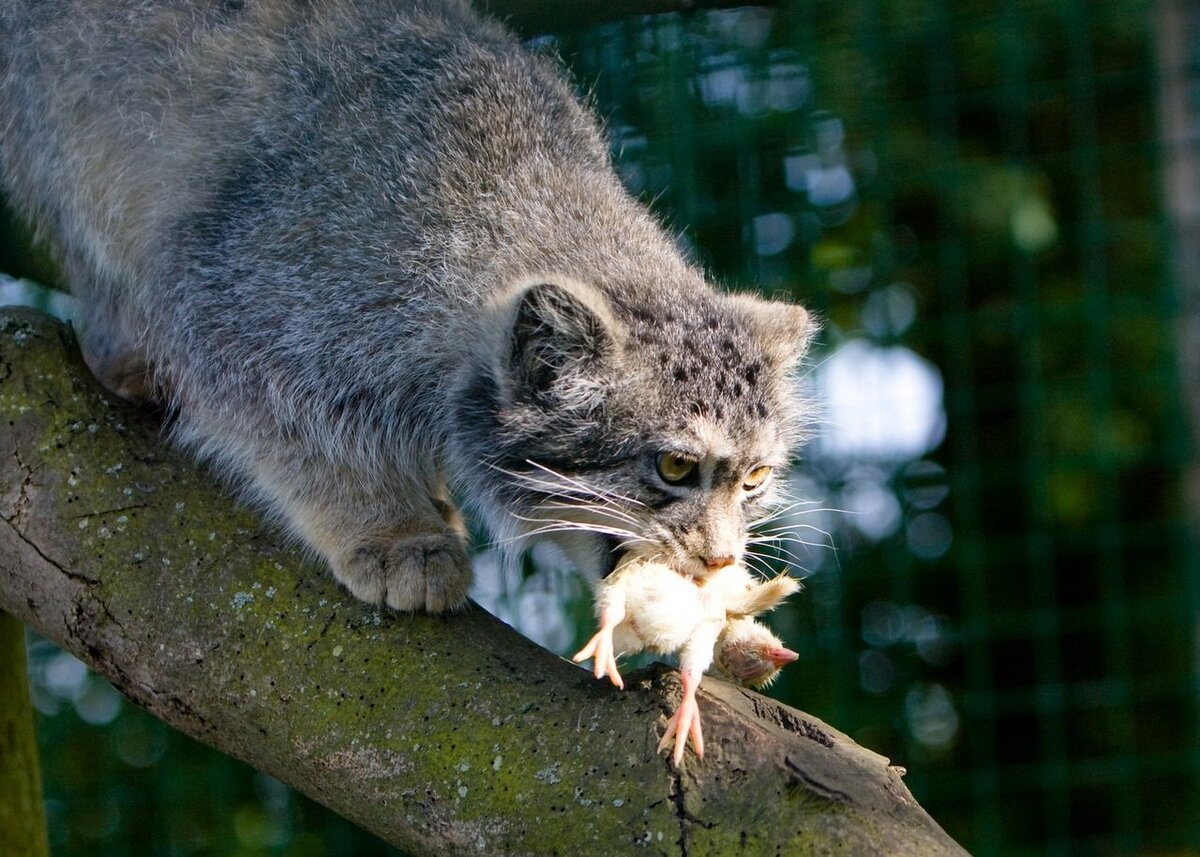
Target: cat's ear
784	329
561	332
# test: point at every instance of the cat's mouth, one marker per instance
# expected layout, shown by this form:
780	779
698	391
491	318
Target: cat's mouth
694	568
616	549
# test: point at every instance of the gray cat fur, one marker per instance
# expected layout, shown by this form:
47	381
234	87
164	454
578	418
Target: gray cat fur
374	256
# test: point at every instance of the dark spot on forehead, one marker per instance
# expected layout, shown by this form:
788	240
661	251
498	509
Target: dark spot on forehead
727	345
681	374
723	471
751	372
760	410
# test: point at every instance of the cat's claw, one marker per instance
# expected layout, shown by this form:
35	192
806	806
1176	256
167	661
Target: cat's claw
685	721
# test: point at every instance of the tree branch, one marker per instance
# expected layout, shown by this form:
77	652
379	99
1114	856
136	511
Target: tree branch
441	735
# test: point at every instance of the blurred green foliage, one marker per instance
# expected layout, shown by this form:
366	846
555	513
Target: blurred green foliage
1001	588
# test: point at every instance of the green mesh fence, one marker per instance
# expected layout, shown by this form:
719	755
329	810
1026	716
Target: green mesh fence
1002	588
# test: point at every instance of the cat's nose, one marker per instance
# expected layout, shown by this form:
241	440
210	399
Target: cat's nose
712	563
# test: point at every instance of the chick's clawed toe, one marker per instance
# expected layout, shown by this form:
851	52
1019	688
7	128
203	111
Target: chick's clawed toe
685	721
600	649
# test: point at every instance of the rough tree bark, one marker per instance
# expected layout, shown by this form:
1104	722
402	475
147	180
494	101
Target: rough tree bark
442	735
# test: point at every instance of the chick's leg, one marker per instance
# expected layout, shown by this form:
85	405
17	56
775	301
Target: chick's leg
600	647
694	659
686	719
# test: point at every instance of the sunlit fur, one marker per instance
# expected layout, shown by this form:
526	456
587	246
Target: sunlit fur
374	255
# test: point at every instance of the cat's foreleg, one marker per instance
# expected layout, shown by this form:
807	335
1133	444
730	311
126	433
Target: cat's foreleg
392	544
409	566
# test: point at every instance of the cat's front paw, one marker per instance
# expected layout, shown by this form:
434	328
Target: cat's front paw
429	572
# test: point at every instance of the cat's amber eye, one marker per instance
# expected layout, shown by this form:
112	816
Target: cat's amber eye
675	467
756	477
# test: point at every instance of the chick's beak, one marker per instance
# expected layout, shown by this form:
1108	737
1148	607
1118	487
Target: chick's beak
780	656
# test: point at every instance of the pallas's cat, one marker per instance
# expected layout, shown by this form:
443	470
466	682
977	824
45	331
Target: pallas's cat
375	258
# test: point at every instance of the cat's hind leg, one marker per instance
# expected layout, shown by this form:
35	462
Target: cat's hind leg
106	340
117	364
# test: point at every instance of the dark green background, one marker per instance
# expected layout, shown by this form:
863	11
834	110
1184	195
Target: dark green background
1010	614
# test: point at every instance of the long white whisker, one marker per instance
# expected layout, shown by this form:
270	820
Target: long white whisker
573	491
569	527
783	510
778	547
536	520
816	511
782	532
790	537
773	516
788	563
607	511
790	556
757	563
583	486
554	489
626	544
547	525
795	538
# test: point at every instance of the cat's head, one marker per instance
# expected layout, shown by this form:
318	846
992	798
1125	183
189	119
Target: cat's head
611	419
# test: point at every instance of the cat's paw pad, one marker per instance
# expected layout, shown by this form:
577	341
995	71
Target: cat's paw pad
425	572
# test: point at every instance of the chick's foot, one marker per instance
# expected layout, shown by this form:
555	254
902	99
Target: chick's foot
685	721
600	649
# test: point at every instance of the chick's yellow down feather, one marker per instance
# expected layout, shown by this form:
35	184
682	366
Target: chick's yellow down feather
647	605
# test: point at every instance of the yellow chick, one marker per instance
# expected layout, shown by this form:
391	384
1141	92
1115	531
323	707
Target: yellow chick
647	605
